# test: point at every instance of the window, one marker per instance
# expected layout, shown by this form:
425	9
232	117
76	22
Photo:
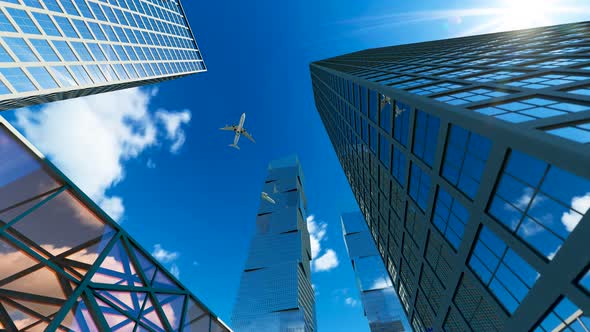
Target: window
64	49
81	75
539	202
412	83
465	157
66	26
47	24
386	110
398	167
567	50
425	136
364	106
52	5
384	151
495	76
42	77
470	96
576	132
18	79
82	29
531	109
460	73
561	62
5	24
373	106
545	81
373	138
33	3
23	20
63	76
419	186
435	71
96	74
450	217
44	49
69	7
82	51
21	49
565	316
95	27
510	62
506	274
585	91
394	79
436	88
401	123
96	52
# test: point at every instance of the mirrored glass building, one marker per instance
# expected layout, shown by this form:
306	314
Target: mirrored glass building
275	291
378	297
469	158
66	266
58	49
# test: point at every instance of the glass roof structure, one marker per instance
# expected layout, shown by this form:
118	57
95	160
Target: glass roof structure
66	266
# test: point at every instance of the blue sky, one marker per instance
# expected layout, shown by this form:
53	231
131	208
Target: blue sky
155	158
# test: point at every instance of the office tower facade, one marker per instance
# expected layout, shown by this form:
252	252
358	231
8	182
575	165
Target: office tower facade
58	49
469	159
65	265
275	291
378	297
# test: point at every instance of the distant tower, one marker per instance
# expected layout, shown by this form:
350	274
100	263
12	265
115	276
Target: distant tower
275	291
380	302
469	158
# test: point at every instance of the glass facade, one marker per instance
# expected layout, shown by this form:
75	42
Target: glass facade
57	49
380	303
65	265
477	195
275	291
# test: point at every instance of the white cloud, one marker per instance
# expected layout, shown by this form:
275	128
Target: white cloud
381	282
90	138
173	124
164	256
326	262
150	164
571	219
317	234
175	271
351	302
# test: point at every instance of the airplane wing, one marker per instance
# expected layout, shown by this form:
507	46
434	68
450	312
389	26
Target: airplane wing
232	128
245	133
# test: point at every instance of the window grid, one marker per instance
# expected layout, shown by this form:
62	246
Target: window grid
565	316
578	133
412	83
465	157
425	136
530	201
470	96
461	73
501	270
555	63
530	109
548	80
450	217
495	76
419	186
436	88
162	29
585	91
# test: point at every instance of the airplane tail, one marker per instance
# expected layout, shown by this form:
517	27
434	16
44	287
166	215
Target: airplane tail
234	146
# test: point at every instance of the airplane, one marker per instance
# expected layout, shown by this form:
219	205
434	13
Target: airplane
239	130
267	198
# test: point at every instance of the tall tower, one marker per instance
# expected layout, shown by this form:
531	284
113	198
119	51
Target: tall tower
58	49
275	290
380	302
469	159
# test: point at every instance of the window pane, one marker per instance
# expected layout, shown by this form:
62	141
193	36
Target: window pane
42	77
18	79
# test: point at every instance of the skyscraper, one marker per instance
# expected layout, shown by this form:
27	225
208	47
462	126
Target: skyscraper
469	159
58	49
65	265
275	290
379	299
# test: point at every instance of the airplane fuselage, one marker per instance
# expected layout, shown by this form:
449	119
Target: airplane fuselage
240	128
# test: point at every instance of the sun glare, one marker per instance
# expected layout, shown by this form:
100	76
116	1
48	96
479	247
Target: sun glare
520	14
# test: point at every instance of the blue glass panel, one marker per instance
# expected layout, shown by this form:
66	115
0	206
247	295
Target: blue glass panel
18	79
23	20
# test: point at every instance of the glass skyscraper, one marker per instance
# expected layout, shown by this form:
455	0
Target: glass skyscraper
380	302
275	290
58	49
470	160
66	266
